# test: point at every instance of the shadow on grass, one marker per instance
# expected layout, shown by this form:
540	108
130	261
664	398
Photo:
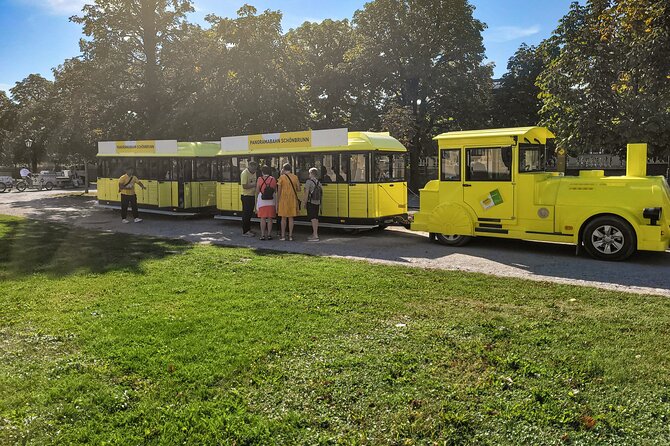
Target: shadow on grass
28	247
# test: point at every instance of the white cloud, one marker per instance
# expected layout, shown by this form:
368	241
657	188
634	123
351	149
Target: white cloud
501	34
60	7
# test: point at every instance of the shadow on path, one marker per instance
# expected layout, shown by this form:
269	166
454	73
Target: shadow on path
28	247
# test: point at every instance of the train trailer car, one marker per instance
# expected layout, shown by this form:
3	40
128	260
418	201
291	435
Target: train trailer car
180	177
493	183
362	173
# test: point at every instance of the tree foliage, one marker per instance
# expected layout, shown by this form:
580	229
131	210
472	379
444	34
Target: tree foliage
516	98
610	82
412	67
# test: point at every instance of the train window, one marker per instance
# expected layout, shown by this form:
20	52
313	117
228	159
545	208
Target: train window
186	170
342	169
284	159
382	172
358	168
398	167
213	169
226	170
272	162
112	167
164	169
203	170
243	164
142	168
128	163
489	164
319	163
152	168
102	169
532	158
451	164
331	165
303	164
175	168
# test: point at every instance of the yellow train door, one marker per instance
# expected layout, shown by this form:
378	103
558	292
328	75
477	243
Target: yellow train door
165	177
358	187
488	188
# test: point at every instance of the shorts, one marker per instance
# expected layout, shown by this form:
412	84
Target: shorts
313	211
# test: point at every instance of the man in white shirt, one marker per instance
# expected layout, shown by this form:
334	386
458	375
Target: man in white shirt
26	175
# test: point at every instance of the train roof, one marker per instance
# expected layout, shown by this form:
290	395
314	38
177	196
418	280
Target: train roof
529	133
356	141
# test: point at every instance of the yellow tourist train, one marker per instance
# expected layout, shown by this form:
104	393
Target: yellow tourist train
491	183
362	173
180	177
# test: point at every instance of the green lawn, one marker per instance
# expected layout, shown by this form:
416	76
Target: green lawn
115	339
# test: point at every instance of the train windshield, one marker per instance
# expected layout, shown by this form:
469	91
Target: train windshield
532	157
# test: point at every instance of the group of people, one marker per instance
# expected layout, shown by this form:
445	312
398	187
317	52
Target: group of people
281	197
264	194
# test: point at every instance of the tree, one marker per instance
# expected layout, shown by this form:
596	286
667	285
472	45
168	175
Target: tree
426	55
78	114
33	104
609	83
516	101
320	63
247	87
7	123
126	42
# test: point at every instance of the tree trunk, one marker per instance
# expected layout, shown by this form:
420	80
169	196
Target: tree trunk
414	157
151	75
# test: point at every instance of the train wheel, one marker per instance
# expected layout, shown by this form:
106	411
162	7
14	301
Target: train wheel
3	187
21	186
49	185
452	240
609	238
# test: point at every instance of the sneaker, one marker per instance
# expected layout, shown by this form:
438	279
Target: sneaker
313	239
248	234
137	220
125	220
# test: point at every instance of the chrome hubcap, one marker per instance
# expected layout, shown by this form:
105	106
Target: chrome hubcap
607	239
452	238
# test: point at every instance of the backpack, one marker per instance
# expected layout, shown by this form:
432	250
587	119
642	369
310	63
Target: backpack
269	192
316	194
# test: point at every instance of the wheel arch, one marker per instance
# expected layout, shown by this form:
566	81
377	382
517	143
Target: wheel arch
451	218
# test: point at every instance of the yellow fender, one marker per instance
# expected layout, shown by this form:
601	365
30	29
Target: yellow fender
451	219
618	212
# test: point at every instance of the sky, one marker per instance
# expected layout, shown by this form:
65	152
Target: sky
36	35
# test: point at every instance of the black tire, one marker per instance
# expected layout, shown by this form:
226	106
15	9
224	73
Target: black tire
21	186
452	240
3	187
609	238
49	185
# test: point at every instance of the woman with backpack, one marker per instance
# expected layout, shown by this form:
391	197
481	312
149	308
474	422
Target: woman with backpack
313	193
288	187
266	187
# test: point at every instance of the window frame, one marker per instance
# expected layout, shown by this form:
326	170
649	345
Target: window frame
459	178
543	156
468	171
366	157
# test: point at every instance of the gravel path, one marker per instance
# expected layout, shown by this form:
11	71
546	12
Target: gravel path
646	273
